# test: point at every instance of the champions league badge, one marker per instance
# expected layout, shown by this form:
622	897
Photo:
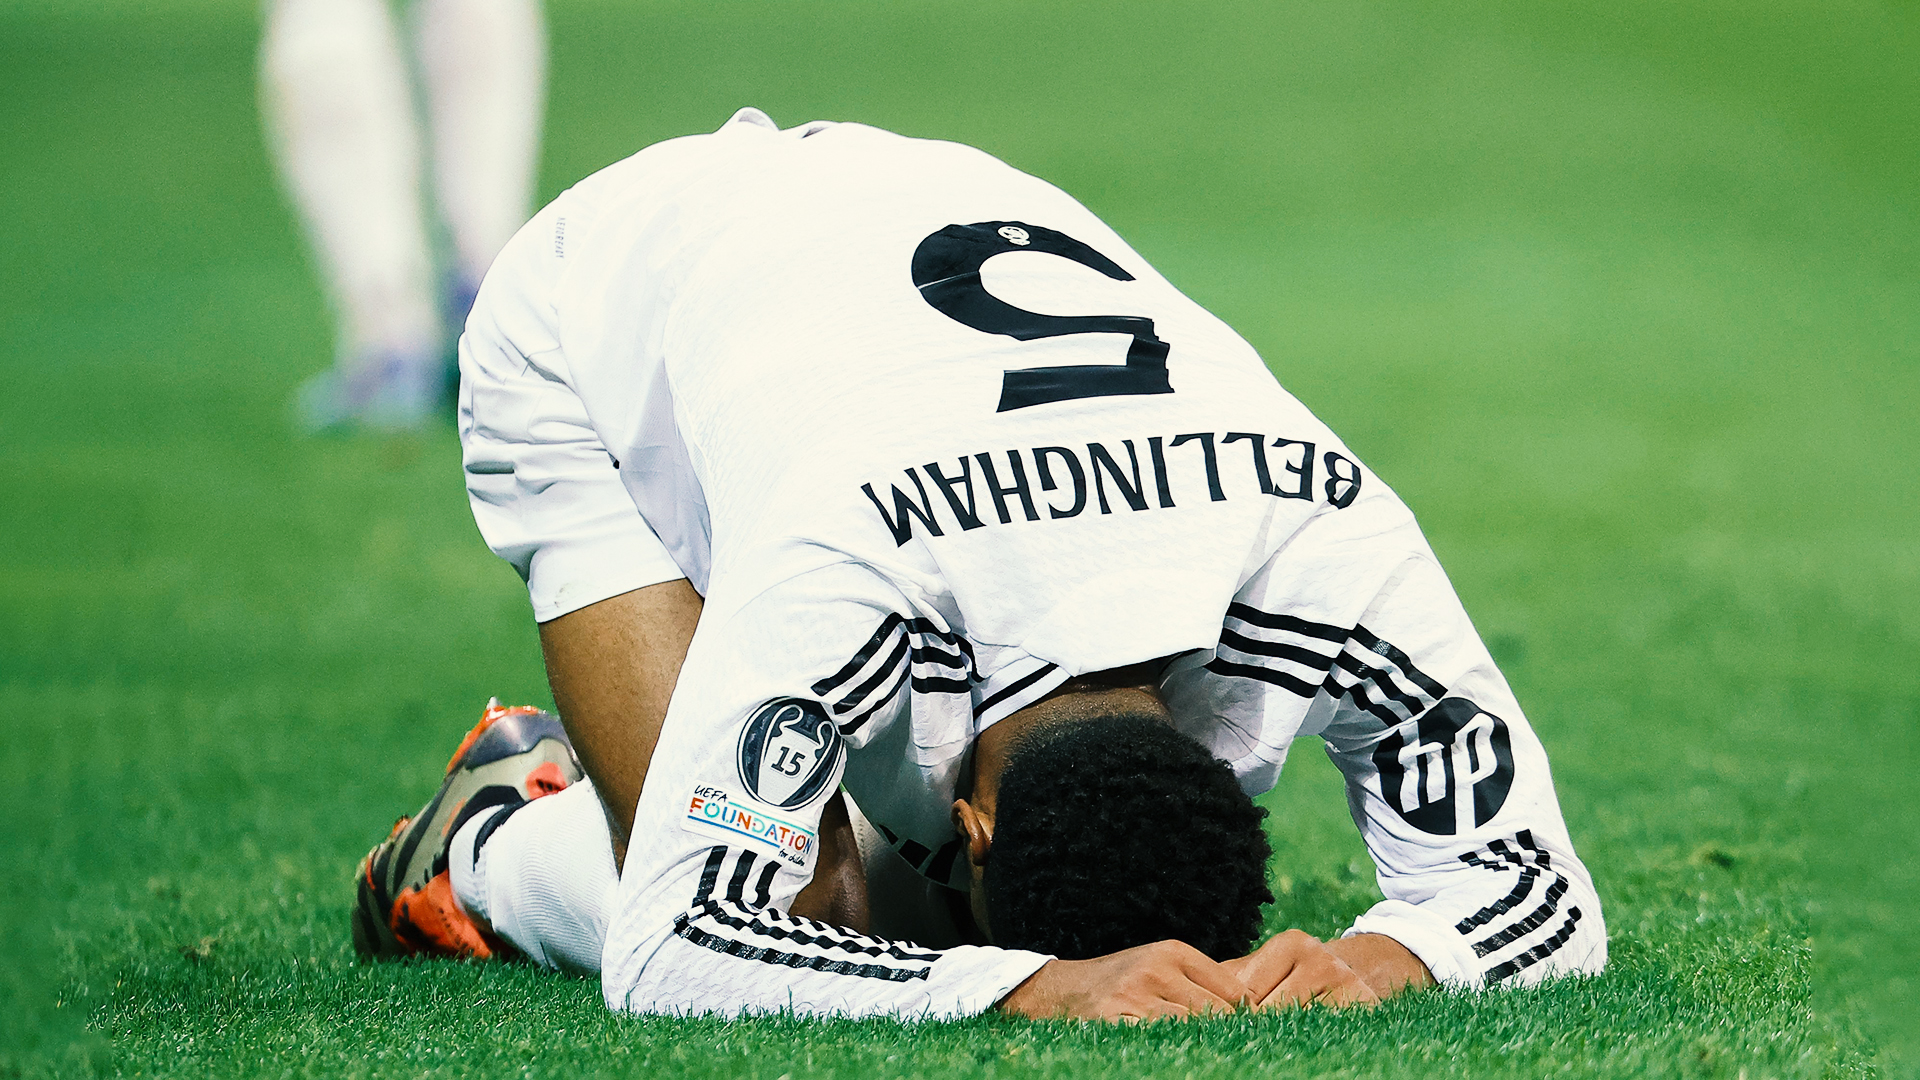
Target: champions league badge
789	753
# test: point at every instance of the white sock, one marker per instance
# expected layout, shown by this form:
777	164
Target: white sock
341	120
484	65
544	879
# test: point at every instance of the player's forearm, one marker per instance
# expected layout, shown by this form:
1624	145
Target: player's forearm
735	961
1382	963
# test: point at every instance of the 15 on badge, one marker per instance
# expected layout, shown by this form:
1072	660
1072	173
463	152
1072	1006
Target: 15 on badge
789	753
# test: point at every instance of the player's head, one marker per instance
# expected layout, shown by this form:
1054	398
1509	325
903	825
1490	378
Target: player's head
1112	830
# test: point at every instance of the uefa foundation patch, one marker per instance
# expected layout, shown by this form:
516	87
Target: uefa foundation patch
716	810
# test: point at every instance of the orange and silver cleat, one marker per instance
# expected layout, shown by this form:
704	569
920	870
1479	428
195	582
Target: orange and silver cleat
406	904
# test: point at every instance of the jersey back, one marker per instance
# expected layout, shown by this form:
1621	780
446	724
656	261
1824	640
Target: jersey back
851	344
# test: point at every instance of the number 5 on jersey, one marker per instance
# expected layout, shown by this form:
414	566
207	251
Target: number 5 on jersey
946	269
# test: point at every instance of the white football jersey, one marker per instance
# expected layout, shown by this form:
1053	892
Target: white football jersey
931	439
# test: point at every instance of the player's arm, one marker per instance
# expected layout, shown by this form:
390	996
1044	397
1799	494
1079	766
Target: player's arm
1352	632
725	841
727	836
1452	793
1383	964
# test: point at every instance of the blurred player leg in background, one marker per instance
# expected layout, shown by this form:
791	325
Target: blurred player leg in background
484	65
342	117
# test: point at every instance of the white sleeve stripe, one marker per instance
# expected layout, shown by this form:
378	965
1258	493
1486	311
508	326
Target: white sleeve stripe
924	629
1539	952
763	890
913	642
1382	678
786	926
855	723
1281	679
710	874
1020	694
1538	917
886	668
1357	690
959	663
1292	623
849	940
1259	638
860	658
926	654
1400	659
929	628
735	914
1011	689
1528	875
1531	862
748	921
741	950
1534	855
1317	662
1525	839
742	870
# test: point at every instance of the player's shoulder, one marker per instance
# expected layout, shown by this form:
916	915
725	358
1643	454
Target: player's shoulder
750	148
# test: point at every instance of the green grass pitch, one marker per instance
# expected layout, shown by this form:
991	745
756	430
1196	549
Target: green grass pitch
1624	298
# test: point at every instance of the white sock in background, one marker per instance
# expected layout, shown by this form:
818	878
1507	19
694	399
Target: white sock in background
340	119
544	879
484	65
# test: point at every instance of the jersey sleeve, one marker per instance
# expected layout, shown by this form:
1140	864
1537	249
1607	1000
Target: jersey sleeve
1452	792
726	831
545	492
1351	631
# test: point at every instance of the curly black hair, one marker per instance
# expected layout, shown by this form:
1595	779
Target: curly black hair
1116	831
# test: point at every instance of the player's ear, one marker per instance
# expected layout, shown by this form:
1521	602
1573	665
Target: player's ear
975	828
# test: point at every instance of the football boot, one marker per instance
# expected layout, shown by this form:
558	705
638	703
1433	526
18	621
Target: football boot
379	390
406	905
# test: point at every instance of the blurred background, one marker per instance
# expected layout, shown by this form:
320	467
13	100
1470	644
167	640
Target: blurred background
1621	297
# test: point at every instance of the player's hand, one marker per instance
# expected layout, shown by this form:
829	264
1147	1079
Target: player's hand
1166	979
1297	969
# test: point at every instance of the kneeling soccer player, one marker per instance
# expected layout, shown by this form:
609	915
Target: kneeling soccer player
948	501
